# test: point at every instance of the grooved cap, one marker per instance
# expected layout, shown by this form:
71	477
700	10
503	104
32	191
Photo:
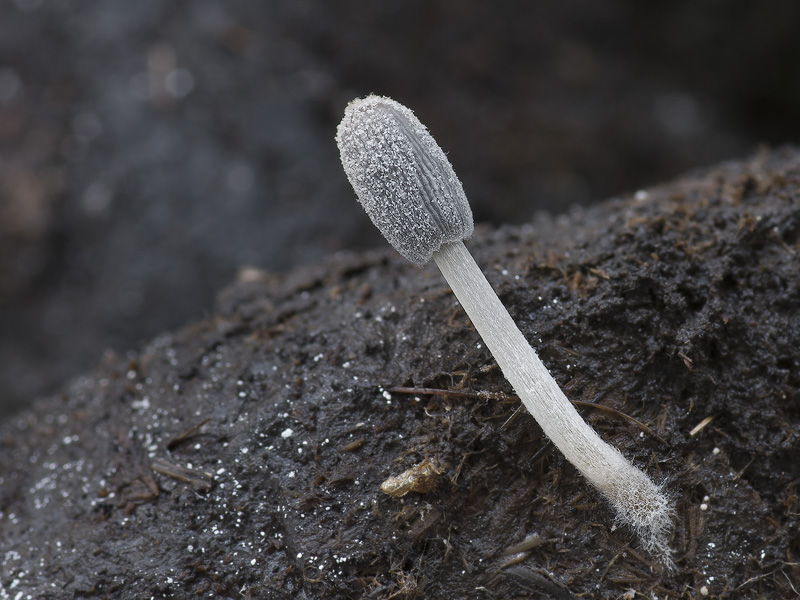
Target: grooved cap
402	178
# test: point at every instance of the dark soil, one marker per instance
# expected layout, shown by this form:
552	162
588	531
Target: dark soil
149	149
242	457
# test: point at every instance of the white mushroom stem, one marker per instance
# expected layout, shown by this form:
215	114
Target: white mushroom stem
408	188
636	499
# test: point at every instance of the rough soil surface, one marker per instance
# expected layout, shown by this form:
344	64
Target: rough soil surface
243	456
148	148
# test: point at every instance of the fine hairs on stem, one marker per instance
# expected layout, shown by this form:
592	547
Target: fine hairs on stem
409	190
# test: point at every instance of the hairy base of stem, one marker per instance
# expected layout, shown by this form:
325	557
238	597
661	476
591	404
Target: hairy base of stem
637	501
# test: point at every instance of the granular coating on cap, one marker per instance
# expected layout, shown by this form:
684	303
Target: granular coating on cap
402	178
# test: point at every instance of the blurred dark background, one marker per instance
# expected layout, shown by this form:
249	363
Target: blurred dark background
149	149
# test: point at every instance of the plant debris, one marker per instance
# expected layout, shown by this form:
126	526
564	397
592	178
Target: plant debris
691	288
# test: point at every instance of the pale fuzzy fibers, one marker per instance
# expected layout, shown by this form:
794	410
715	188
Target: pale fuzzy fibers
637	501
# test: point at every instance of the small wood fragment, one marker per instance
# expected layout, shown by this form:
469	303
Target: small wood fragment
421	478
186	434
199	480
701	425
354	445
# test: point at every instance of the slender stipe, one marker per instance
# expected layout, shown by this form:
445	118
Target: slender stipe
409	189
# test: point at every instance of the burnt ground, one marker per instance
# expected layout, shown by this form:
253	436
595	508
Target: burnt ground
242	456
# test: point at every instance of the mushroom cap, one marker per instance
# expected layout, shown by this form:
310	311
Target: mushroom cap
402	178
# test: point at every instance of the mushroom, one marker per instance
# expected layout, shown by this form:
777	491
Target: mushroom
408	188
